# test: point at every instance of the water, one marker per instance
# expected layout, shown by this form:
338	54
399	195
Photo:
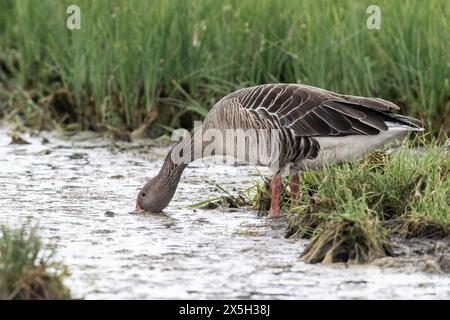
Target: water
68	185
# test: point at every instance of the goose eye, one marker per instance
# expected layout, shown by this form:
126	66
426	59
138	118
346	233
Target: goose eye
143	194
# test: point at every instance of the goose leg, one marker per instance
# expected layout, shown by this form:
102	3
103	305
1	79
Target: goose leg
276	197
294	186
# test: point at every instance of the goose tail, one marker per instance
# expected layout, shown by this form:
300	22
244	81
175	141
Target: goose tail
405	122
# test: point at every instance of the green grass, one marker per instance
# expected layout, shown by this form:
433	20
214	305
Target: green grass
350	211
404	193
28	269
159	64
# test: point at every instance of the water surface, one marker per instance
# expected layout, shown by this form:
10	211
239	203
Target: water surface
68	184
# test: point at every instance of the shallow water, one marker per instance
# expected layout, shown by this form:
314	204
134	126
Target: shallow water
67	186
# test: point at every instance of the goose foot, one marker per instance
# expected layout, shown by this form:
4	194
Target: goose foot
276	197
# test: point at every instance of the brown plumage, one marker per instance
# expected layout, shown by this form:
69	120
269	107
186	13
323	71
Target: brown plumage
311	111
315	127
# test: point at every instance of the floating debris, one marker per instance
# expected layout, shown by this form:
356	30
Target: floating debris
17	139
109	214
209	206
44	152
118	176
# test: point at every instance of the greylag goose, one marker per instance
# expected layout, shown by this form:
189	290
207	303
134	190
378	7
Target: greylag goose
313	127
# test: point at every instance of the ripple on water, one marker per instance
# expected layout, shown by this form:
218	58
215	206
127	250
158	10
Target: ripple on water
71	183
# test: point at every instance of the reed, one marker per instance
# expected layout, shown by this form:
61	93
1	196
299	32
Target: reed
162	64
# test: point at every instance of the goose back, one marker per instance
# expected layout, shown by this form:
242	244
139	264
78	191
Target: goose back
304	115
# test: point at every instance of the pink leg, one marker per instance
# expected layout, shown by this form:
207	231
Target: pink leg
294	186
276	197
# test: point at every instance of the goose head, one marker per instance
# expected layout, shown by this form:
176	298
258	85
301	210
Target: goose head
154	196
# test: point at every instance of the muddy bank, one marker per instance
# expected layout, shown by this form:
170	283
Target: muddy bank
81	190
419	255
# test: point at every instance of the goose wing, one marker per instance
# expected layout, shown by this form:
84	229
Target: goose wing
311	111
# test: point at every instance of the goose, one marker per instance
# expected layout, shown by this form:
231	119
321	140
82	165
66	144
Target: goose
314	127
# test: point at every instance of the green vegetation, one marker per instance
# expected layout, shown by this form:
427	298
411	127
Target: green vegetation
154	65
28	269
349	211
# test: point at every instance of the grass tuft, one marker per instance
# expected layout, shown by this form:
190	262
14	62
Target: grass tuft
349	241
28	269
350	210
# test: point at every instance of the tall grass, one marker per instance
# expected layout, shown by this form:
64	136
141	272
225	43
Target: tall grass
135	59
